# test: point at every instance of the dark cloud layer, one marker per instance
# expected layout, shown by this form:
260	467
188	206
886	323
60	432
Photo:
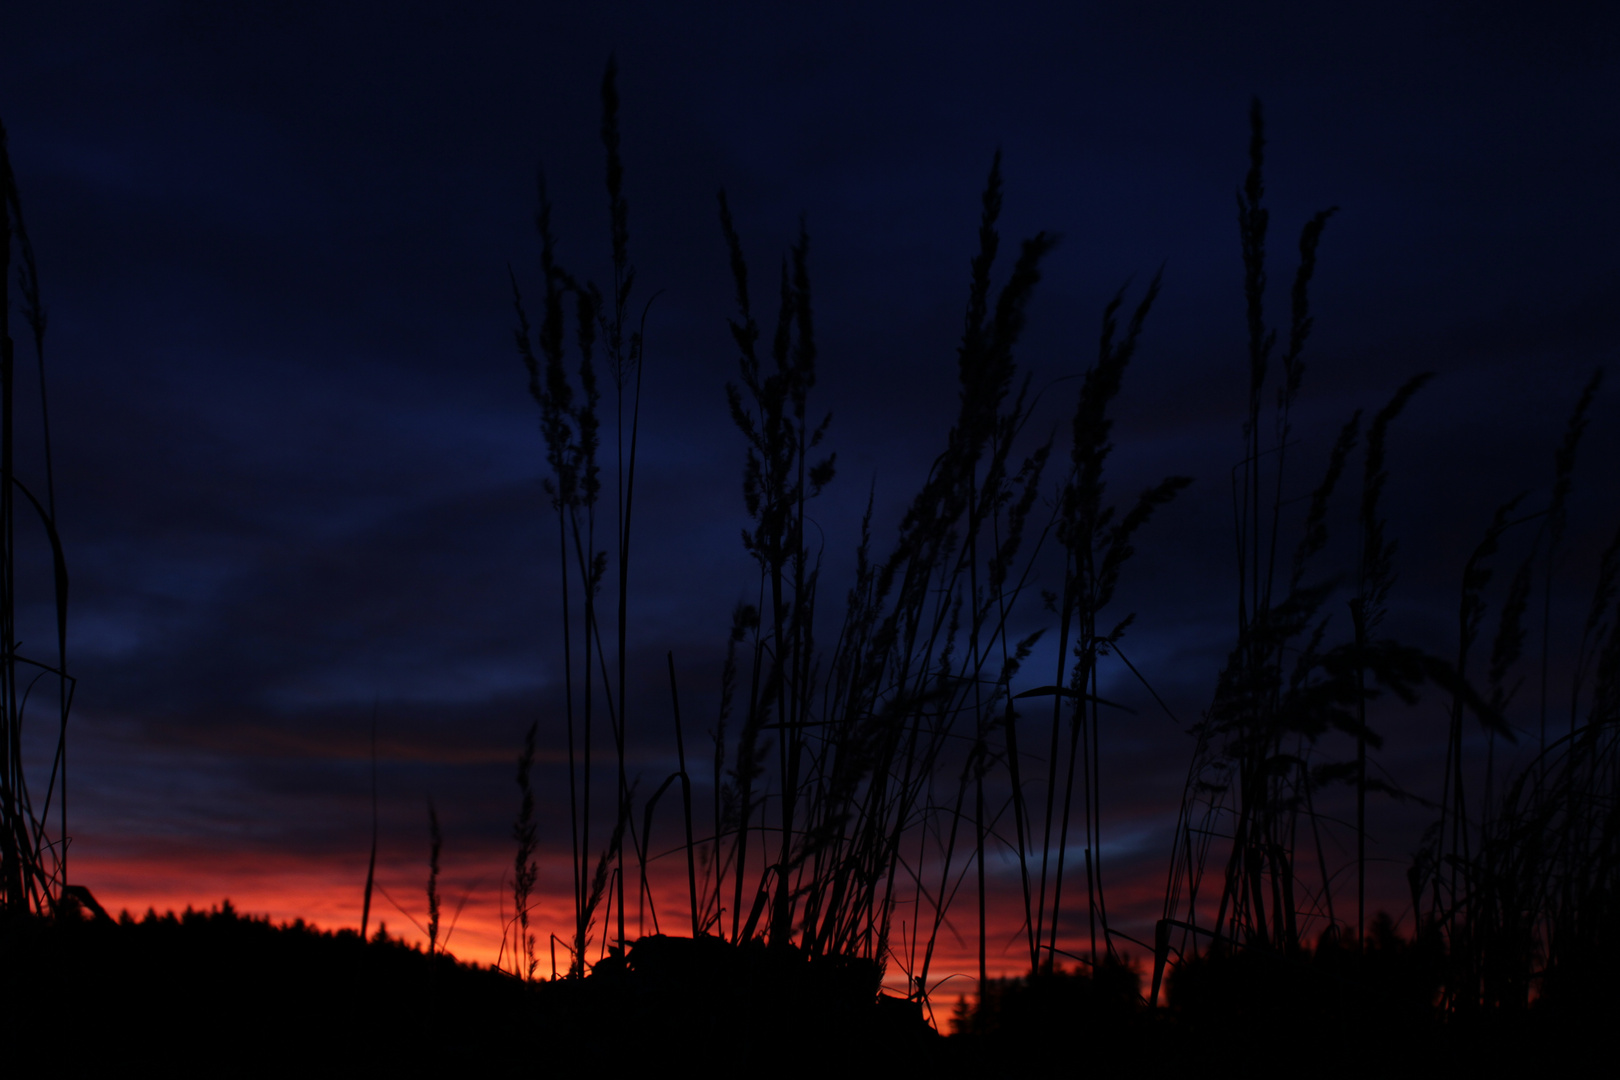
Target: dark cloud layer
300	476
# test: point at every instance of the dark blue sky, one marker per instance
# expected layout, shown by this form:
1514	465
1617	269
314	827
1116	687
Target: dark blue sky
299	471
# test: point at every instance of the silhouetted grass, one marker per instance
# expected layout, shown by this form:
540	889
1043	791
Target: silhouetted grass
850	765
33	863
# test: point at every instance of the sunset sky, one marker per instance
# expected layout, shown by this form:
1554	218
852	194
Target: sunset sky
299	472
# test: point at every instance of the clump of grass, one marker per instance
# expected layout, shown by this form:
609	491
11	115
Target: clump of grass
33	864
1524	890
864	764
912	663
1261	754
837	780
1097	541
1513	889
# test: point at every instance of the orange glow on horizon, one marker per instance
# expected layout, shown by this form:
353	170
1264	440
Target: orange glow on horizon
476	907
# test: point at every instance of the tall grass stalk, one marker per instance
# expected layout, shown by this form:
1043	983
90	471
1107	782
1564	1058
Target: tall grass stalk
524	870
371	862
435	846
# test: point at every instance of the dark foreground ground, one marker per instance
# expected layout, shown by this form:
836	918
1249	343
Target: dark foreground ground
215	993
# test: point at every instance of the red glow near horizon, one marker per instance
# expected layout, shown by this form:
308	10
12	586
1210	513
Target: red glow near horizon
476	909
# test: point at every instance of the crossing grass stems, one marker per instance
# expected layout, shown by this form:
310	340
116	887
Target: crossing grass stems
865	763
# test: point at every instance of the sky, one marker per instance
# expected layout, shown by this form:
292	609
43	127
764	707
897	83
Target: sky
299	474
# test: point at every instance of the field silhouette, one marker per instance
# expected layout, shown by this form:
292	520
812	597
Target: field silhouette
865	765
220	992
